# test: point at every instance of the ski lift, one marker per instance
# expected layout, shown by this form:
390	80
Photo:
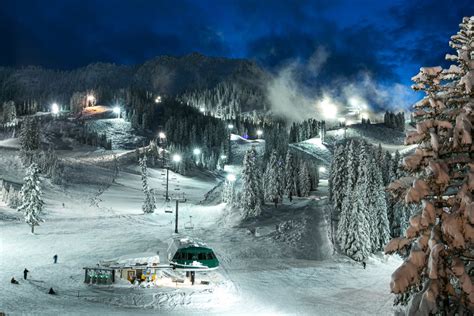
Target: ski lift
168	208
189	225
186	254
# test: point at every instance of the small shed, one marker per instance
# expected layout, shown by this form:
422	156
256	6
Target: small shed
131	269
99	275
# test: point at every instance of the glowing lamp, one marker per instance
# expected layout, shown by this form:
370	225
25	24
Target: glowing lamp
231	177
55	108
328	108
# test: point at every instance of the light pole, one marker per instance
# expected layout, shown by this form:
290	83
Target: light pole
176	159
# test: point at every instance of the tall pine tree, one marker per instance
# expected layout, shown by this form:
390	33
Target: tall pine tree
304	179
31	200
436	277
291	176
149	203
252	192
273	179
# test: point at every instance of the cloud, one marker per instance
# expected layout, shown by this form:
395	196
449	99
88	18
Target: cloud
69	34
286	97
318	59
291	97
326	45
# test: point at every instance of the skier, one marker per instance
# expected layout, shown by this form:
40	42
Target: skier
363	264
13	281
55	258
192	277
51	291
25	273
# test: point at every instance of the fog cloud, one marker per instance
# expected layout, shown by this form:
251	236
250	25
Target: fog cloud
297	93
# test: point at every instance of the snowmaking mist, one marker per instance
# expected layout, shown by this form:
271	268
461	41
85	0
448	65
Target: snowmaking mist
299	90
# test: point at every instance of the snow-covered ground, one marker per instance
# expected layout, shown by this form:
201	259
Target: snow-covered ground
390	139
265	264
119	131
315	149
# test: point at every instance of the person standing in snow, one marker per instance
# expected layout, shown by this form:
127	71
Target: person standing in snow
55	258
363	264
51	291
25	273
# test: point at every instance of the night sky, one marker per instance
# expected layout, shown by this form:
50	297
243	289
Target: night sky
389	40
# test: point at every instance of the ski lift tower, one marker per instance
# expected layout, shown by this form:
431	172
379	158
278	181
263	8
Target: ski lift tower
177	214
176	159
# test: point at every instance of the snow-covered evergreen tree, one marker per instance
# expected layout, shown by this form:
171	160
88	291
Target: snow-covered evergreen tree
272	180
10	196
377	206
149	203
304	179
252	192
29	140
338	179
291	175
9	113
387	168
353	232
281	178
228	192
31	200
395	172
346	203
435	278
379	156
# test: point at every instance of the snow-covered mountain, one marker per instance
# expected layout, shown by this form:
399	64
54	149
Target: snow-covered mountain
194	76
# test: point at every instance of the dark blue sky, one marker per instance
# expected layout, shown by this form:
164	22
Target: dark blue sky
388	39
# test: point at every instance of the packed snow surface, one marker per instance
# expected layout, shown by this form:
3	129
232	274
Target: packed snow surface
265	266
